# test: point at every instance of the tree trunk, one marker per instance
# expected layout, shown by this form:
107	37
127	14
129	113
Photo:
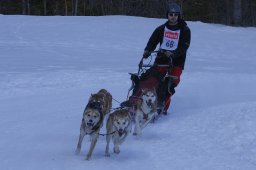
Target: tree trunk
24	7
66	8
237	13
28	7
84	7
74	7
253	13
45	10
228	19
57	9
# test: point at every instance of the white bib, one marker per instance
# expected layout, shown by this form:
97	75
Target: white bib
170	39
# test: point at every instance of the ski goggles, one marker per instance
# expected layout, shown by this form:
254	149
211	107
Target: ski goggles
173	14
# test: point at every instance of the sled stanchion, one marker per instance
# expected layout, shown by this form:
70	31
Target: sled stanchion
147	66
130	90
138	73
140	65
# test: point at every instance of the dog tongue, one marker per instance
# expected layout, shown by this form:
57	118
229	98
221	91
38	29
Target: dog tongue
120	132
89	124
149	103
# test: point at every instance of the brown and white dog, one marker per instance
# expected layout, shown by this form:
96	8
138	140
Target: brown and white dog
98	107
146	110
118	127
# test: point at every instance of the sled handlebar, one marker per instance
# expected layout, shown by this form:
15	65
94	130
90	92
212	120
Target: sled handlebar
151	65
142	65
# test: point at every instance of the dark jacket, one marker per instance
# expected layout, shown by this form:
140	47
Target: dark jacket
179	57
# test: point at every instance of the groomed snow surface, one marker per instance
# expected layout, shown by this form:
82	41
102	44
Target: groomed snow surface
49	66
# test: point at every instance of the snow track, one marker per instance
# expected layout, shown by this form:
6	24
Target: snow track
49	66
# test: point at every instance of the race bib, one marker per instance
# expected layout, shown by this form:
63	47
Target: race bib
170	39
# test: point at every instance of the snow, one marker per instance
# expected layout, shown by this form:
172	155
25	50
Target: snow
50	66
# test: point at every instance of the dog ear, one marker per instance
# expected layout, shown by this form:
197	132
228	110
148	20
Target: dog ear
127	118
154	89
90	98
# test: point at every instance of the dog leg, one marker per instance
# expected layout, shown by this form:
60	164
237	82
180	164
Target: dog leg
116	146
121	140
116	149
93	143
108	137
137	128
145	123
79	144
154	118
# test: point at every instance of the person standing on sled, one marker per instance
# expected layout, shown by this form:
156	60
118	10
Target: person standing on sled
174	40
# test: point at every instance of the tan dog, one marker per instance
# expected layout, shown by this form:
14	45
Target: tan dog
145	111
118	126
98	107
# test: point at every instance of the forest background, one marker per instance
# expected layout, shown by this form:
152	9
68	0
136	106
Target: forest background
229	12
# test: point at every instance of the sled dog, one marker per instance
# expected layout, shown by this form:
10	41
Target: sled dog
146	110
98	107
118	127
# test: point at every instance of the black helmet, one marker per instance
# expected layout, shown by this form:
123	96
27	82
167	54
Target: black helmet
173	8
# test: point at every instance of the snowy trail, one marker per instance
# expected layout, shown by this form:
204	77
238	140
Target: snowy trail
49	68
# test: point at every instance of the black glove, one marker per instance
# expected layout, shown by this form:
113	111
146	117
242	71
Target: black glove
146	54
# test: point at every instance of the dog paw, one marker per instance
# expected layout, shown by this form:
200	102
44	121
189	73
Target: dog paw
138	134
88	158
116	150
77	151
154	119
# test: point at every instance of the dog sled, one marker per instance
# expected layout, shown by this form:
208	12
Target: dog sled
151	76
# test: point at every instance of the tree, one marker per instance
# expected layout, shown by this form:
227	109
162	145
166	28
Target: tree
230	12
74	7
24	7
237	12
28	7
45	10
66	8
